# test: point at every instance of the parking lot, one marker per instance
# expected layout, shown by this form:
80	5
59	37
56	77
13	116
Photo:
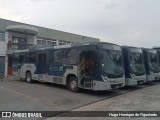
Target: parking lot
17	95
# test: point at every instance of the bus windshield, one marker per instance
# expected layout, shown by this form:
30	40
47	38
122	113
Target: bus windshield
136	63
112	63
153	62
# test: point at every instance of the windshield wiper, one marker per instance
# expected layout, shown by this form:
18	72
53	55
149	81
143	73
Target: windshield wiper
110	54
114	57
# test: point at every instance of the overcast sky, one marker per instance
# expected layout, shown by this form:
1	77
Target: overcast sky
124	22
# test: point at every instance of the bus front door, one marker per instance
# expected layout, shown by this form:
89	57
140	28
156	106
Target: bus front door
86	64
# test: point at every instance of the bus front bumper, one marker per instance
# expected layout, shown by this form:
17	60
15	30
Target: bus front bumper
100	85
152	77
138	80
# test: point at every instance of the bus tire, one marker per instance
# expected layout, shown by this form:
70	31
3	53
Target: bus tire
73	84
29	77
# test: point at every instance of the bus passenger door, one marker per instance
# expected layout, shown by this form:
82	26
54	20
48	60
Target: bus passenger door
86	68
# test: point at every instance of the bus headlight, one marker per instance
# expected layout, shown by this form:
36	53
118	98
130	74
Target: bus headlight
151	72
132	75
104	78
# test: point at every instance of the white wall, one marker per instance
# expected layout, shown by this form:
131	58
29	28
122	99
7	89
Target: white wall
3	48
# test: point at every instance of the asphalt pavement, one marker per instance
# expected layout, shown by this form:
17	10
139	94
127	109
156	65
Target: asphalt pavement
146	99
18	95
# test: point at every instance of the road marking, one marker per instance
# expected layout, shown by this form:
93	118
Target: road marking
29	97
13	91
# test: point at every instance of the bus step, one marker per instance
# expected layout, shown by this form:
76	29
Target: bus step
87	81
87	84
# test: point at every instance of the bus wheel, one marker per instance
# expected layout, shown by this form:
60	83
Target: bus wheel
73	84
28	77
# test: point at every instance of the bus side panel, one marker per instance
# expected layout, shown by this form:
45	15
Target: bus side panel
53	73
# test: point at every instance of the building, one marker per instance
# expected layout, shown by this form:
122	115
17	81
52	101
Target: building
19	36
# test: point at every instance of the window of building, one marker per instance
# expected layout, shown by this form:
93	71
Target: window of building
49	42
71	43
43	42
39	42
2	36
54	43
68	43
63	42
60	42
15	40
19	43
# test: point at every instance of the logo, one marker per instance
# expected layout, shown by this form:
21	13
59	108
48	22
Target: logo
21	114
6	114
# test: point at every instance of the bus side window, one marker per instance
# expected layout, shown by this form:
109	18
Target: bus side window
58	55
26	58
72	57
21	59
32	58
51	57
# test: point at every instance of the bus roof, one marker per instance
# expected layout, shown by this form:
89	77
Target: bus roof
124	46
147	49
21	51
37	48
47	47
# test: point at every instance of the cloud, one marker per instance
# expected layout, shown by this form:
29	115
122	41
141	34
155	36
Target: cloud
124	22
39	0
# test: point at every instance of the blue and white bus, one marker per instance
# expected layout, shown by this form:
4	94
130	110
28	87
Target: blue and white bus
151	64
158	52
135	72
93	66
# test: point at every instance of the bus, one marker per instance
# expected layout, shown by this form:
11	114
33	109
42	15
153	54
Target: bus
158	52
93	66
135	72
151	64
